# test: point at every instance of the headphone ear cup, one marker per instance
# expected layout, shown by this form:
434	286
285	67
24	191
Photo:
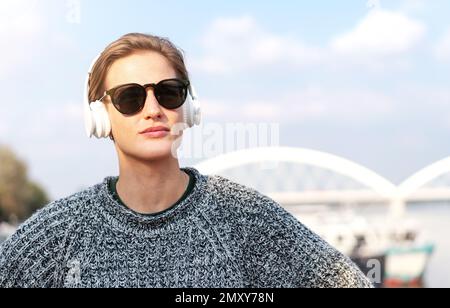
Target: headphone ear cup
197	112
89	123
106	123
102	124
187	112
191	108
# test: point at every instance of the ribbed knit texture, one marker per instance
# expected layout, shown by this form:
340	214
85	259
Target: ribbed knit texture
222	234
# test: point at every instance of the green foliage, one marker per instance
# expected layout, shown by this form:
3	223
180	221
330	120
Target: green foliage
19	197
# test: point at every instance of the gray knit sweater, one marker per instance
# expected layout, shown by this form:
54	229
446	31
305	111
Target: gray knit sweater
222	234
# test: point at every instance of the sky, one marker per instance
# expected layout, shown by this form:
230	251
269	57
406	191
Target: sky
364	80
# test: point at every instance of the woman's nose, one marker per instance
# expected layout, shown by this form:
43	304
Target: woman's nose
151	107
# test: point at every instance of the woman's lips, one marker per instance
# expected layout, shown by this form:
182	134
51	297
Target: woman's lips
156	134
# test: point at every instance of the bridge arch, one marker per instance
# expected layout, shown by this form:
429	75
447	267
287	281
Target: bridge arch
424	176
319	159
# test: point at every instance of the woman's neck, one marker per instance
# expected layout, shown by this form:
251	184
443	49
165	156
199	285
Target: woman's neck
150	187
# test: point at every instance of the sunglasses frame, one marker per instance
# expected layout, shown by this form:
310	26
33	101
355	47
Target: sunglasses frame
154	86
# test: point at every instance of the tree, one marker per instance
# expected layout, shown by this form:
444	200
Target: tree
19	197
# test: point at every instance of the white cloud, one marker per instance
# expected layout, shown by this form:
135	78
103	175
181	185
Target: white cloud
21	25
213	108
381	33
223	110
43	122
442	49
344	105
20	17
241	44
313	103
234	44
262	110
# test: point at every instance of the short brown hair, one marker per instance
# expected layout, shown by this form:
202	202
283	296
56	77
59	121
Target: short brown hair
125	46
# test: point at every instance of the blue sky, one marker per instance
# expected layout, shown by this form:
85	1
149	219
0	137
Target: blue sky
365	80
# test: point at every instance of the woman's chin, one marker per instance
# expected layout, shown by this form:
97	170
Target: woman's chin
156	150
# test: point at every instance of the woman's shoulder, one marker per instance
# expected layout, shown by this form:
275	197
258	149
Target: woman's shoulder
62	210
38	241
246	203
239	194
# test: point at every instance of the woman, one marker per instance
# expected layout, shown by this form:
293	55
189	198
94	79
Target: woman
156	224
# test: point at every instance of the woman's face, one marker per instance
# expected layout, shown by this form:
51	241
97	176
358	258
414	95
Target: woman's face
142	67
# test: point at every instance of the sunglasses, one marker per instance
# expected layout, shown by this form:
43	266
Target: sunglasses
130	98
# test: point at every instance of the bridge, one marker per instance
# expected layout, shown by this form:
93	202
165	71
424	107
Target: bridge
275	172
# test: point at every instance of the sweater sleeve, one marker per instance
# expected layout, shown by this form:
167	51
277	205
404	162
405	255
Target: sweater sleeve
282	252
31	256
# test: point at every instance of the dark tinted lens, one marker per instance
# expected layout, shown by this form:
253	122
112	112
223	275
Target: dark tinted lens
129	99
171	94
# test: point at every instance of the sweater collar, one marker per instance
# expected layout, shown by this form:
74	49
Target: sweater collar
123	218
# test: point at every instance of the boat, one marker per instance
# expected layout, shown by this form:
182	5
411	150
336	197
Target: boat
392	252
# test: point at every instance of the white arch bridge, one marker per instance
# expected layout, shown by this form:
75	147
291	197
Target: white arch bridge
278	165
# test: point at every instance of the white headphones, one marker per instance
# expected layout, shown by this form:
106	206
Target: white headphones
96	119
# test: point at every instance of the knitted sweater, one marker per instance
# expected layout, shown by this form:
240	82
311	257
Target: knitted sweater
222	234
